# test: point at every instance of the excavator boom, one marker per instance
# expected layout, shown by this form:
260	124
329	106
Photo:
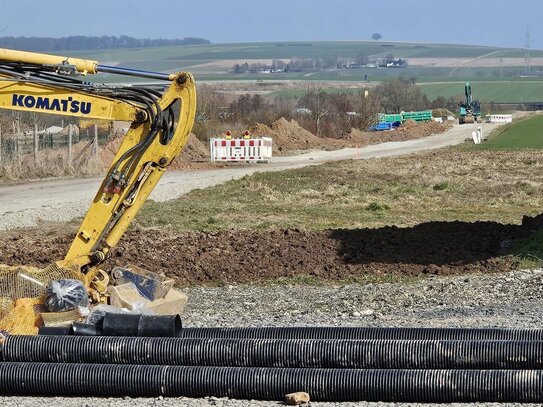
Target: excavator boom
160	126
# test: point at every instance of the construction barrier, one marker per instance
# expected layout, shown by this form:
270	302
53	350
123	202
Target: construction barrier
248	150
500	118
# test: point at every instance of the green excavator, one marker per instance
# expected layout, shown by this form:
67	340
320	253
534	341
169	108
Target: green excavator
470	110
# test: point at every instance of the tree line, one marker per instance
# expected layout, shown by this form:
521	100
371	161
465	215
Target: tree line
80	42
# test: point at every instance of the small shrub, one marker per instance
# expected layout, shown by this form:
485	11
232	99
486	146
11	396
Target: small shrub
376	207
440	186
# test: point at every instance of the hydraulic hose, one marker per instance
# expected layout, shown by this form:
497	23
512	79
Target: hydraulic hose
271	383
365	333
289	353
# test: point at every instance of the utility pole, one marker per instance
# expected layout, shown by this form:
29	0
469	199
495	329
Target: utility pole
527	57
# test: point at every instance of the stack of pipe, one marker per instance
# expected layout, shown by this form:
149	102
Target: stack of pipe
331	364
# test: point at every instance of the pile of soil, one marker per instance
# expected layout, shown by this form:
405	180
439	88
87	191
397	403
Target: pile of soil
441	112
409	130
195	155
229	257
109	150
290	136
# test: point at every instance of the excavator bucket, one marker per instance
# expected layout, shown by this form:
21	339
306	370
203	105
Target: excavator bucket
469	119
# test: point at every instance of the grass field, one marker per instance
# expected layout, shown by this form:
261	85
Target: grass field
192	57
445	185
522	135
214	63
522	90
287	50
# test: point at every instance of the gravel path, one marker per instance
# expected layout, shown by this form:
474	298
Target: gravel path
513	299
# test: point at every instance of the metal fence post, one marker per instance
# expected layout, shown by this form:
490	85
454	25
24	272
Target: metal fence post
36	143
70	135
95	143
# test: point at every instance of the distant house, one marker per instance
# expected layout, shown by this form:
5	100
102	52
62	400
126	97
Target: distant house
301	110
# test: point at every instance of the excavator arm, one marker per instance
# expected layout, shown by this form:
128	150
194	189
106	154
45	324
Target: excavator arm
160	126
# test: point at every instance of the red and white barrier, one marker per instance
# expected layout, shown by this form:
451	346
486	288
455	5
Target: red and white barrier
249	150
500	118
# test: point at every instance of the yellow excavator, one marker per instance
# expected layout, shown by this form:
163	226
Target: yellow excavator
160	127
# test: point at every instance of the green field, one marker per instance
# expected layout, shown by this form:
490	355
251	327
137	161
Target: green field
287	50
522	135
176	58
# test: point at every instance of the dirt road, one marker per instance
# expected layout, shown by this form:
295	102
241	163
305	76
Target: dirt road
63	200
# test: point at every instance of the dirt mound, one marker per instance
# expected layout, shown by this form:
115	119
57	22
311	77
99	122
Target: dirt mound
441	112
195	155
108	151
290	136
248	256
409	130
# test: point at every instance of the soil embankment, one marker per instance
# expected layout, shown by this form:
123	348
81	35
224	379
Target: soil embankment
226	257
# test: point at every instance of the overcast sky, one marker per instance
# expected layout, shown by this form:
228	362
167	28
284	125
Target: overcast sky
481	22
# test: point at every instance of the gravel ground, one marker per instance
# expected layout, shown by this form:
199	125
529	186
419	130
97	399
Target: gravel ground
511	299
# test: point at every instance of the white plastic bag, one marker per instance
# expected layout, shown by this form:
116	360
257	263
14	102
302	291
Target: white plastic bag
65	295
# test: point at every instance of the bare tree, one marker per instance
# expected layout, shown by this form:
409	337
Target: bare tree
376	36
401	94
209	104
366	105
319	103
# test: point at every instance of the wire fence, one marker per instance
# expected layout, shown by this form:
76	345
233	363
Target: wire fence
68	143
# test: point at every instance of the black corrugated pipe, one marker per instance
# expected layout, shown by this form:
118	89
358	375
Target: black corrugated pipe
271	383
55	330
292	353
365	333
160	325
80	328
120	324
141	325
